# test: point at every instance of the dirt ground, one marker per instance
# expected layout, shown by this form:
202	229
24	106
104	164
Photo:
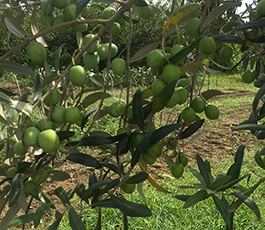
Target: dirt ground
219	142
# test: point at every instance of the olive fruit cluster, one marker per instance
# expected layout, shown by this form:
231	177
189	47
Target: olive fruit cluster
170	72
177	168
107	13
47	139
67	12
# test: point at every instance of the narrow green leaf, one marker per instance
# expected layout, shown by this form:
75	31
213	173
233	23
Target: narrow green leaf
92	178
229	38
223	209
86	116
95	186
111	167
261	135
198	176
219	182
130	208
146	93
40	212
21	220
104	203
35	194
209	70
246	61
57	175
250	25
189	66
191	129
92	98
24	97
240	154
195	198
231	183
15	190
162	132
139	177
84	159
253	188
80	191
249	202
15	68
234	171
258	96
92	141
258	158
260	38
57	57
62	194
137	106
65	134
252	127
56	223
45	199
7	92
143	52
22	166
184	52
13	26
163	97
218	11
24	107
109	186
4	98
37	89
100	134
81	5
237	203
48	79
203	170
183	197
122	146
9	215
139	150
75	221
211	93
3	118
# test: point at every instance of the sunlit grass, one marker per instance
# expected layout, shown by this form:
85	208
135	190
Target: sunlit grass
167	211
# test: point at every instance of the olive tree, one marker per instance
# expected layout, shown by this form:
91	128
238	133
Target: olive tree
70	100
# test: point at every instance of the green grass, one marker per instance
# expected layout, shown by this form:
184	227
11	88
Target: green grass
167	211
227	83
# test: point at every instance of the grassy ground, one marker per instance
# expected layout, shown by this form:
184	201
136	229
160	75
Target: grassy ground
167	211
